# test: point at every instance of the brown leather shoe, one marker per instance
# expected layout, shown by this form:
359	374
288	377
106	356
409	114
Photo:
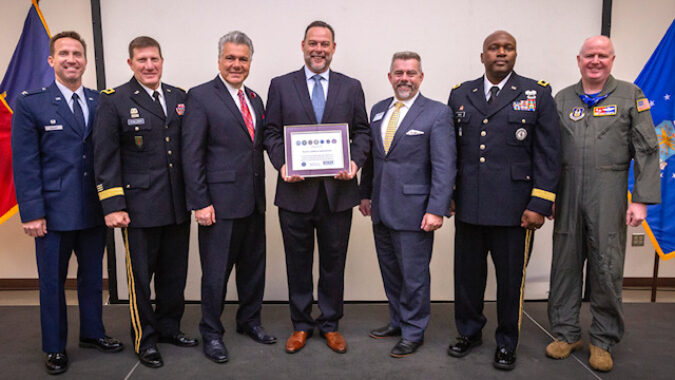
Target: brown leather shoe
335	341
296	341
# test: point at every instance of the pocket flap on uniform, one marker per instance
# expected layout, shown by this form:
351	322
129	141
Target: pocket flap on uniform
521	172
53	184
137	181
415	189
220	176
522	117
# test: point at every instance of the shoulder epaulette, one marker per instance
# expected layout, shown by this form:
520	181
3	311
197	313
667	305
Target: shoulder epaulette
456	86
543	83
33	92
108	91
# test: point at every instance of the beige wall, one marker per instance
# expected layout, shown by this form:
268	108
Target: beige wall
440	31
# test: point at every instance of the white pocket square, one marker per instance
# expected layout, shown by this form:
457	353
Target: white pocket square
414	132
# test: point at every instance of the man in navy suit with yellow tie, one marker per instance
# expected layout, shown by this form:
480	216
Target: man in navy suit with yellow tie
406	188
316	95
53	176
225	186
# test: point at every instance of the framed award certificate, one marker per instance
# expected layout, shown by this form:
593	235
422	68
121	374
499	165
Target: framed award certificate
317	150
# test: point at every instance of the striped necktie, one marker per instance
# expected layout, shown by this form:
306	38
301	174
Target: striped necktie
392	126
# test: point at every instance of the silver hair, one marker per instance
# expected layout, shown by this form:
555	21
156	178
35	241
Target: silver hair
405	55
236	37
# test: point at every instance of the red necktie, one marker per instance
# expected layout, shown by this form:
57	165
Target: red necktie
246	113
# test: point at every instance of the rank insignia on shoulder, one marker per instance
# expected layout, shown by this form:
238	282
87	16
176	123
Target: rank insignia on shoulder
604	110
99	187
577	113
456	86
108	91
543	83
642	104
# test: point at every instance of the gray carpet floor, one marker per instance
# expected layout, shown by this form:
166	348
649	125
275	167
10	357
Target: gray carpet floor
646	351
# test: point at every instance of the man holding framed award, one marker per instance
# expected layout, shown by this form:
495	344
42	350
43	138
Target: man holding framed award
312	101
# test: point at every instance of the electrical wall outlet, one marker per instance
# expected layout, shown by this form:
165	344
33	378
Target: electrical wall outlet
637	240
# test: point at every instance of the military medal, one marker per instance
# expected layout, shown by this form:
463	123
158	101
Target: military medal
180	109
521	134
525	105
577	113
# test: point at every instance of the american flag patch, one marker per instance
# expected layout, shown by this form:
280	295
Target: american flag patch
604	110
642	104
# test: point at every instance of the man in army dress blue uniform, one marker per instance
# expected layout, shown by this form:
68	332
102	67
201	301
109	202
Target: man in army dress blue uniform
140	184
508	146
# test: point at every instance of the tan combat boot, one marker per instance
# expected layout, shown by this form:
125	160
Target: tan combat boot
600	360
559	349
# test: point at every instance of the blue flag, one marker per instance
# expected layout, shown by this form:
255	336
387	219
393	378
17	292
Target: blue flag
657	80
28	70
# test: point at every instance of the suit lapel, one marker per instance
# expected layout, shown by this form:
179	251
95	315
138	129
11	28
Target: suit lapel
408	120
62	109
334	88
376	127
508	93
91	104
303	94
226	98
477	96
145	101
170	100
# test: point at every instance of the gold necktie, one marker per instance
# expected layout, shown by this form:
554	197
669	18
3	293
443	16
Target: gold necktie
392	126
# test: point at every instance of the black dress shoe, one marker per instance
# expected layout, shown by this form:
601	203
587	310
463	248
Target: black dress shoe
405	348
215	350
180	340
150	357
387	331
505	359
258	334
57	362
464	345
105	344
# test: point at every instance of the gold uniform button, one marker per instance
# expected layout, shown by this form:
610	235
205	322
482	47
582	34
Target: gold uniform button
128	186
171	165
482	146
137	129
167	139
527	177
485	121
483	133
166	126
482	159
169	152
523	121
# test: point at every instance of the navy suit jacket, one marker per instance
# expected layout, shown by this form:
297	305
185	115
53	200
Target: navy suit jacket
289	103
53	161
417	174
138	155
222	166
509	155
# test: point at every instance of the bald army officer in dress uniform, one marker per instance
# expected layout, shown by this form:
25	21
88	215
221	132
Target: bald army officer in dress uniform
140	184
508	145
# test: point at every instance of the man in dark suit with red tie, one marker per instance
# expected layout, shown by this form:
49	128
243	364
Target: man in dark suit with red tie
225	186
323	205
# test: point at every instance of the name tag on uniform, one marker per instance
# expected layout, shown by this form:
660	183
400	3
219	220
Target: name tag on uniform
57	127
139	121
378	116
604	110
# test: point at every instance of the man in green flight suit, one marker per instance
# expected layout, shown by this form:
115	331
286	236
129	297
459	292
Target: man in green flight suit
604	123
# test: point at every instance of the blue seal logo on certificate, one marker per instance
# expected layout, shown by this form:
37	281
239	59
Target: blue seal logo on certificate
317	150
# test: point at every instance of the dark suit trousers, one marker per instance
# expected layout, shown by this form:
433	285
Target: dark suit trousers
227	243
161	252
332	231
53	253
404	258
509	248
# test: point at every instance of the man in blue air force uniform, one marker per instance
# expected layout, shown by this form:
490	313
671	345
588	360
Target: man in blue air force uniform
53	175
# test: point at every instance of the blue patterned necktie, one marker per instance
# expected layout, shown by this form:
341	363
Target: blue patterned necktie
318	98
77	110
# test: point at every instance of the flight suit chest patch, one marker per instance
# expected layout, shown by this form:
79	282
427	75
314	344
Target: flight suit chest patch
605	110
